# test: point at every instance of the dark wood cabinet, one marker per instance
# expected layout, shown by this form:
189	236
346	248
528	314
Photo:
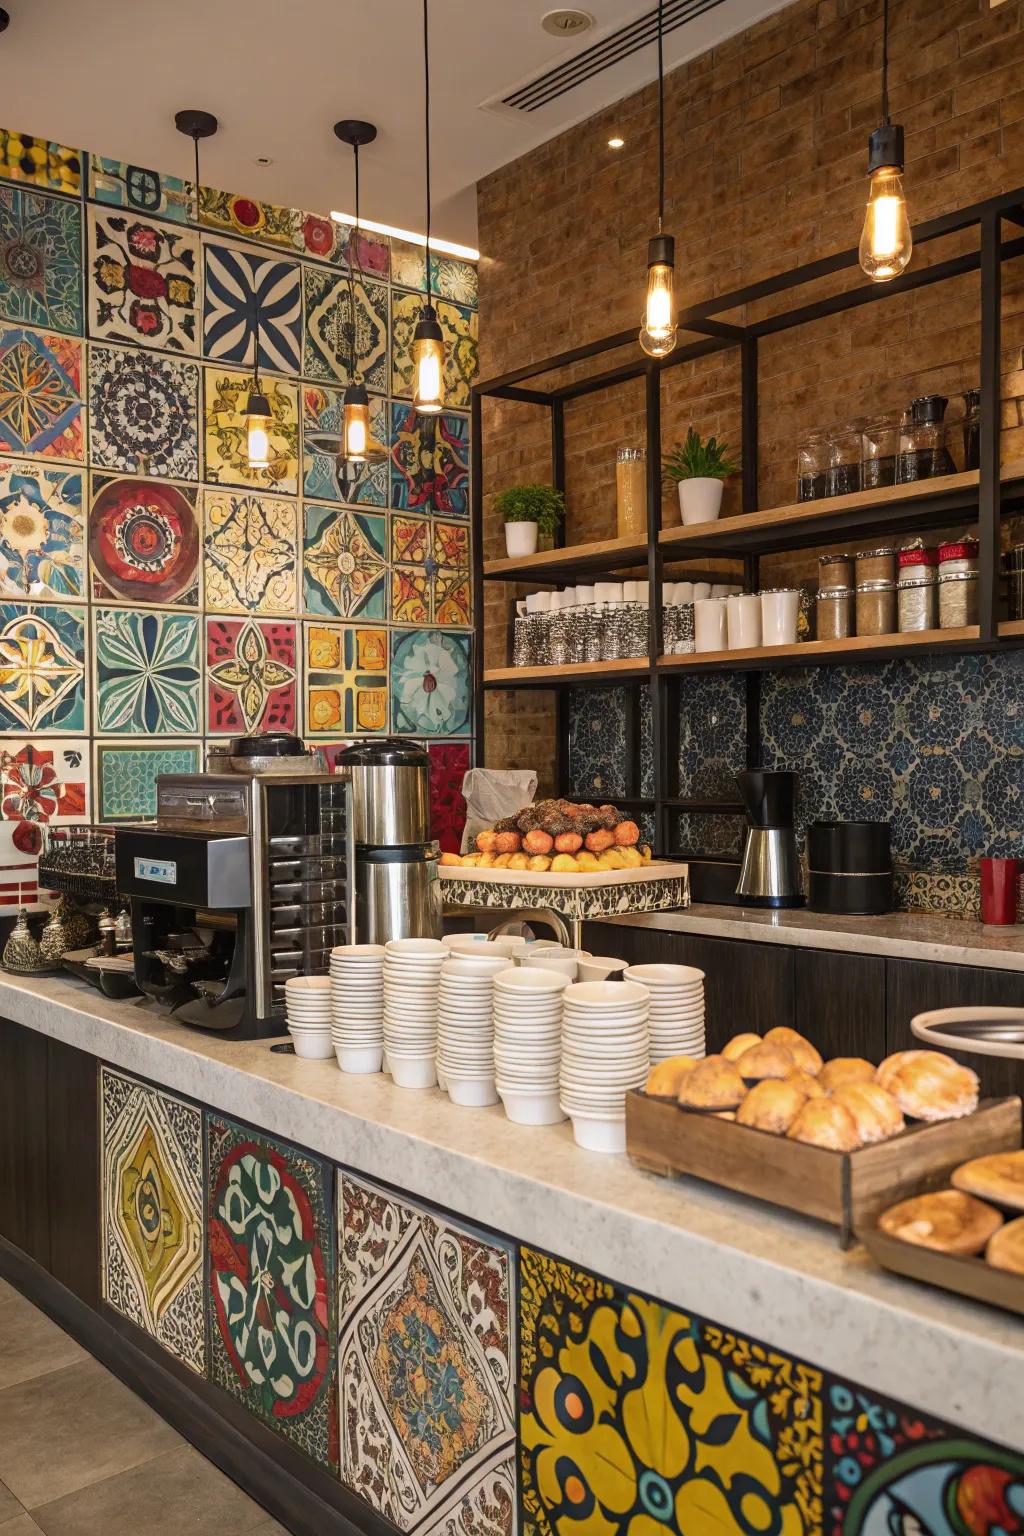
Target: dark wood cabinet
913	986
24	1160
840	1002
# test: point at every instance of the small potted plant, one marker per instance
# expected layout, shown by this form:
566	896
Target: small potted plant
529	512
699	470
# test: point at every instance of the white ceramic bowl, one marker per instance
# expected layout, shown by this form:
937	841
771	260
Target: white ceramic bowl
472	1093
524	979
400	948
359	951
525	1108
606	995
599	967
599	1134
312	1045
412	1071
563	965
665	975
360	1059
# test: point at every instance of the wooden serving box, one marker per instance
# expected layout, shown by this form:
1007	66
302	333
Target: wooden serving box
847	1189
970	1277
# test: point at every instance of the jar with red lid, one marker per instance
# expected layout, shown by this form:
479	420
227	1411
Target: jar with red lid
958	557
918	564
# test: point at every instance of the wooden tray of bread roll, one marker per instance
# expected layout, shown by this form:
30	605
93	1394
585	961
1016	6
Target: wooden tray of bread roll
970	1277
847	1189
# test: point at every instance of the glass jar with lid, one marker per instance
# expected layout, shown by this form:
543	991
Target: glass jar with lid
924	453
958	599
881	440
958	555
876	564
845	451
834	571
833	613
631	493
876	608
972	429
812	467
917	589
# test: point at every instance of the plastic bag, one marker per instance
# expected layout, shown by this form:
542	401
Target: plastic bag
492	793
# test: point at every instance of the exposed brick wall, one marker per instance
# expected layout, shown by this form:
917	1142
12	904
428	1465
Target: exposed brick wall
766	157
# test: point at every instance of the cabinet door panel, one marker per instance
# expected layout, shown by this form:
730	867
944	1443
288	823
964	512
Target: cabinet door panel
840	1002
915	986
73	1180
24	1218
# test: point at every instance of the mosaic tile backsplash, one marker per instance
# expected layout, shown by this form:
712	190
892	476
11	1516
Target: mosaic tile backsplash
151	583
934	746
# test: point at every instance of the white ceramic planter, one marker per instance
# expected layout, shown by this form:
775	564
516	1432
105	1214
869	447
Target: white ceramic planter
700	499
521	538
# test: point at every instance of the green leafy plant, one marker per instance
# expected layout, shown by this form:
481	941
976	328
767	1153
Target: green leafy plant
694	460
540	504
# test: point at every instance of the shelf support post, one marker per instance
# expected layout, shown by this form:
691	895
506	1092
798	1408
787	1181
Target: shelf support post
659	723
749	417
990	491
476	491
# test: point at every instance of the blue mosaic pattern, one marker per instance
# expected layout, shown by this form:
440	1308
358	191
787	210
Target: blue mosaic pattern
41	259
126	777
712	736
597	742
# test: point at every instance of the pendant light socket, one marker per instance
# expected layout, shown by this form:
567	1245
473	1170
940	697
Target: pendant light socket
886	148
258	405
661	251
196	124
354	132
5	19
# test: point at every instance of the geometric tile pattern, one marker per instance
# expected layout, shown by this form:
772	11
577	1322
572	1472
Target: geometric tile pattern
225	457
42	668
40	259
325	476
40	162
251	675
429	461
152	1183
121	185
250	561
42	531
143	281
425	1366
144	542
147	673
344	562
459	329
336	327
143	413
346	680
42	782
126	776
41	394
253	309
271	1294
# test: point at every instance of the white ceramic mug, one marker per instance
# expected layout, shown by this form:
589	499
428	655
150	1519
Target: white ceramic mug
709	624
701	589
780	613
743	621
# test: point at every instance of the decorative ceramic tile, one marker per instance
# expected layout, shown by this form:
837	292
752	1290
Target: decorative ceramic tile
647	776
431	683
144	541
42	668
314	235
41	409
143	413
235	215
947	895
252	308
147	672
371	258
453	598
712	736
332	333
272	1287
597	741
328	478
42	531
411	594
451	545
449	763
226	461
429	461
151	1162
635	1417
251	555
122	185
40	162
251	669
411	540
41	259
891	1469
344	563
449	277
143	281
42	783
126	776
459	329
425	1366
346	680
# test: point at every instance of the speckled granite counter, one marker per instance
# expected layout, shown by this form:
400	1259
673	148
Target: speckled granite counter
898	935
748	1266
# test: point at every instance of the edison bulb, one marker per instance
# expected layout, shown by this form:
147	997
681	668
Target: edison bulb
886	243
355	427
658	332
428	361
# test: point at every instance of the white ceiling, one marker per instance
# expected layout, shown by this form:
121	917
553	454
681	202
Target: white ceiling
108	75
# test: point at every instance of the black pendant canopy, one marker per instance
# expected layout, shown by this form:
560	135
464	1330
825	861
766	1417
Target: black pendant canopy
355	132
196	124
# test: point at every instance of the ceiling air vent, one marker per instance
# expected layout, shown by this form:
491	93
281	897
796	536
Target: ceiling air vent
611	50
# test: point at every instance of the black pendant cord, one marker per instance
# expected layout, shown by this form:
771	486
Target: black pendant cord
195	144
426	131
661	115
885	62
353	251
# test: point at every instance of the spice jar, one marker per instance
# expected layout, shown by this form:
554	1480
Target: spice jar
881	440
958	557
845	449
916	563
876	607
835	571
917	589
958	599
631	493
923	451
972	429
876	565
812	467
834	613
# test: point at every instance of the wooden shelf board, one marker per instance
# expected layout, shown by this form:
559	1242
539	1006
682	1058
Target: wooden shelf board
574	560
1011	628
551	677
814	652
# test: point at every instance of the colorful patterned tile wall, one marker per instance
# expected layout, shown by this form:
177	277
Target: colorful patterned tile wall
457	1382
150	582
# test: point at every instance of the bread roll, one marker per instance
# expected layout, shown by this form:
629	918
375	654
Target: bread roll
1006	1247
998	1177
948	1221
932	1087
714	1084
824	1123
738	1044
899	1060
764	1060
846	1069
665	1077
802	1051
809	1086
875	1113
771	1106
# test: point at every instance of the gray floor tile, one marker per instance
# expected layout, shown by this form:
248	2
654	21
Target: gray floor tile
181	1490
21	1525
9	1505
30	1344
72	1428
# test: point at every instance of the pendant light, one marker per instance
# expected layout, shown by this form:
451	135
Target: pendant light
886	242
355	415
658	331
427	340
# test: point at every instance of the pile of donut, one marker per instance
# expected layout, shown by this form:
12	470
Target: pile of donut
780	1084
560	836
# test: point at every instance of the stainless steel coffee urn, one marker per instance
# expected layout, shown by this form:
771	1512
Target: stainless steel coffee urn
398	894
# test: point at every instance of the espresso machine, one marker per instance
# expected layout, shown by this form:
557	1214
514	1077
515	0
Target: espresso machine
245	879
770	876
398	893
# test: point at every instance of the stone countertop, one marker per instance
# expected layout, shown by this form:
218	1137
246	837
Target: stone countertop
749	1266
899	935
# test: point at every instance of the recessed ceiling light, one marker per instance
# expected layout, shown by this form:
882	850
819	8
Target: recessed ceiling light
616	142
263	160
567	23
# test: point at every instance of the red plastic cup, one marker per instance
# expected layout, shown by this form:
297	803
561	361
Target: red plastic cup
1000	887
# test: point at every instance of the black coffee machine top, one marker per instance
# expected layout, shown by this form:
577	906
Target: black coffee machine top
769	797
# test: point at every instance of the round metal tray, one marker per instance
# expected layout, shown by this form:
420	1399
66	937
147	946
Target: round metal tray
986	1031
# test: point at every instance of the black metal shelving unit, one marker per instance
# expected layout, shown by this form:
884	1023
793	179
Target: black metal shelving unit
984	496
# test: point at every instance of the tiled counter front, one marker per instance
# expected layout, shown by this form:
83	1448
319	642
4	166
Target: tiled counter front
462	1385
